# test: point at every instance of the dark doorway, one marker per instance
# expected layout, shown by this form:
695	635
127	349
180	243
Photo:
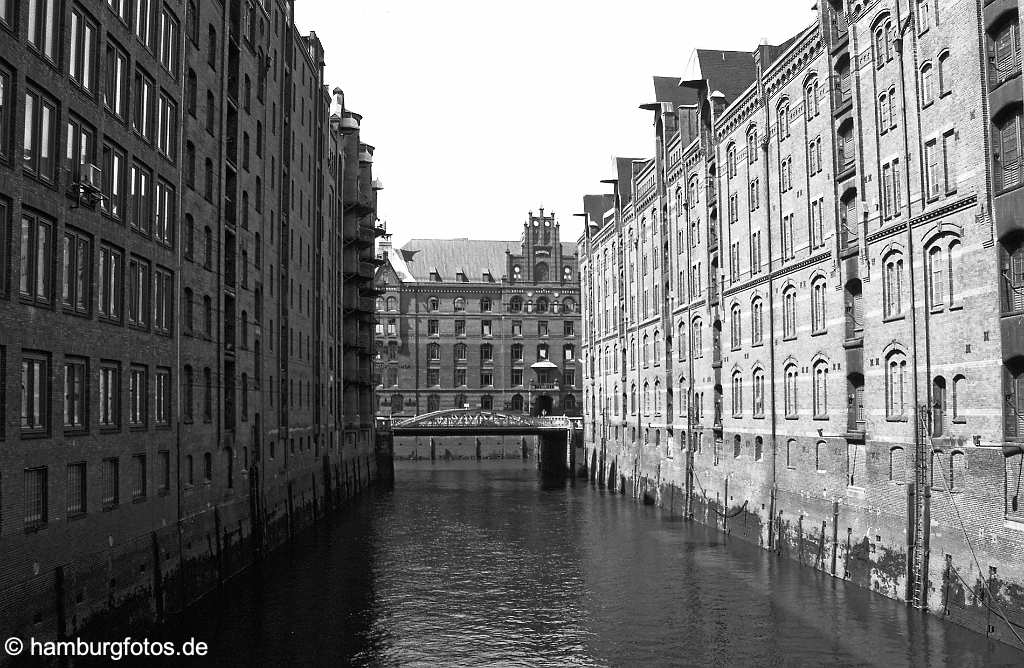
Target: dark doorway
543	405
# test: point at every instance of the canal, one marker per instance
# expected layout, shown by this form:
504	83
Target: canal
485	564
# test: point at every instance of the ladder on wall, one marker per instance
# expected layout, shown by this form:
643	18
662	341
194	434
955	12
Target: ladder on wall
922	521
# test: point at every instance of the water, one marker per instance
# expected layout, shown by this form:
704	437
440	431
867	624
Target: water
483	564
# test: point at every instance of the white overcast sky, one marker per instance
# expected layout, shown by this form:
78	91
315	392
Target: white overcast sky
480	111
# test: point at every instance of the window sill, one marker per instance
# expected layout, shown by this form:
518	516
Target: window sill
821	418
107	507
819	332
898	418
31	434
72	517
792	417
35	528
139	499
893	318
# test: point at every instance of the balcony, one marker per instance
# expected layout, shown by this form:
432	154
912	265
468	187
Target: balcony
544	386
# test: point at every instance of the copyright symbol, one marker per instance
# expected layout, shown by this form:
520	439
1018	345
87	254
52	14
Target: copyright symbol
14	646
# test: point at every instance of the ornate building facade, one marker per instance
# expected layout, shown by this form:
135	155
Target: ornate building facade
479	324
806	306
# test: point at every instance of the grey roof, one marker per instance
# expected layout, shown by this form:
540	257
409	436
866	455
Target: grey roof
473	257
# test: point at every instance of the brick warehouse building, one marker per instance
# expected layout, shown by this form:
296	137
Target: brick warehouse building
478	324
803	314
186	263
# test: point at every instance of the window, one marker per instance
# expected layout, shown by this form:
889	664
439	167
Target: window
783	114
434	352
140	199
114	170
162	397
892	286
814	163
40	139
76	379
37	259
752	145
80	148
35	392
169	30
569	351
817	223
1004	50
542	352
44	27
485	304
207	394
944	267
568	328
485	328
432	328
697	338
115	85
821	389
896	387
892	195
110	283
139	487
81	59
167	127
818	306
788	242
517	377
163	225
433	377
143	17
137	395
486	378
789	313
790	390
211	47
460	377
933	170
77	497
36	497
754	199
486	352
811	98
949	161
927	85
883	50
542	328
433	304
460	328
111	482
757	321
735	329
110	395
737	394
6	115
515	305
517	352
758	385
143	104
1007	153
943	73
211	112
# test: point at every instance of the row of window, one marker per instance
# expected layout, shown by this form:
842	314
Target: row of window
516	403
390	328
515	305
128	287
89	388
389	377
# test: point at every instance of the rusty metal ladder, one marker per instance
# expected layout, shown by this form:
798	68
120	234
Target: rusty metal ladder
919	549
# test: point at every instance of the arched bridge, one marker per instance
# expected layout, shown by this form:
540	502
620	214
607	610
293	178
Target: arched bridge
458	421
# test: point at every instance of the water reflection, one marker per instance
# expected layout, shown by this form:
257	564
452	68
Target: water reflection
483	564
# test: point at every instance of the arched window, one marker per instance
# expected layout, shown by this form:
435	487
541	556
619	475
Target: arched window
783	116
566	274
790	390
811	98
927	85
681	341
485	304
818	305
433	403
737	446
730	161
957	396
632	352
433	304
883	33
1006	147
542	305
657	346
486	402
821	389
569	306
957	471
1012	251
540	272
758	448
737	394
207	315
752	144
789	313
632	399
189	307
616	400
515	305
944	268
569	405
208	247
892	285
434	352
517	402
207	467
896	385
647	398
208	180
229	467
645	351
820	451
460	352
392	304
757	321
897	465
657	397
396	403
459	304
542	351
735	331
698	343
758	392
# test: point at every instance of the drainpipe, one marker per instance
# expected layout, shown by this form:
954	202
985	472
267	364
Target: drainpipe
771	312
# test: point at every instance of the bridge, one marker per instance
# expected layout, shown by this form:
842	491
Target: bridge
558	436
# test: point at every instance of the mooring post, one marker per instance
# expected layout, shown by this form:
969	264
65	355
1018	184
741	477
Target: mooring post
835	535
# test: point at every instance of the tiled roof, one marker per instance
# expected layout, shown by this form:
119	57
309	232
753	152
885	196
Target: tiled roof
730	72
667	89
473	257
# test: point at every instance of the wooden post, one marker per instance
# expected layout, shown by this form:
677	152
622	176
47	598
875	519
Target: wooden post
835	535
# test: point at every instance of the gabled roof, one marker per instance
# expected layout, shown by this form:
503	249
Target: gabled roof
474	257
730	72
667	89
